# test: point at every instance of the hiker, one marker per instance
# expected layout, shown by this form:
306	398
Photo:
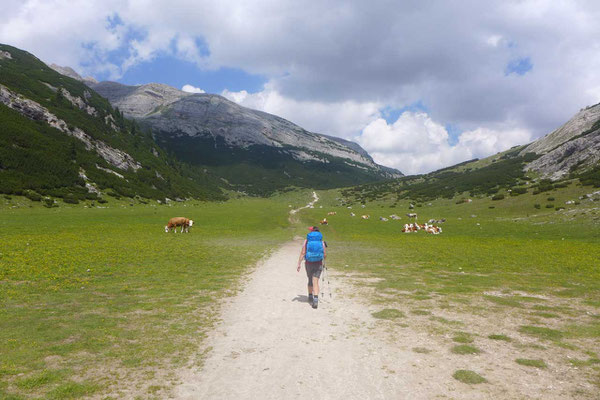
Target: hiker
313	252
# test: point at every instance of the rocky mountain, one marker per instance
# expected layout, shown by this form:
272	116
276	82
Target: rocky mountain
574	147
59	138
70	72
571	152
208	129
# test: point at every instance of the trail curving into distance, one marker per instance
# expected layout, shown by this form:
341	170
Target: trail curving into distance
272	345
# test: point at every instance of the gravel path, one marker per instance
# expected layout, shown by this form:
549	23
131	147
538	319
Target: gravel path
272	345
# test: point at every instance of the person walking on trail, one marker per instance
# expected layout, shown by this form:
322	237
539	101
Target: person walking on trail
313	253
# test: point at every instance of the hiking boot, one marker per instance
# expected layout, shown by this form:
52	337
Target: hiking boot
315	302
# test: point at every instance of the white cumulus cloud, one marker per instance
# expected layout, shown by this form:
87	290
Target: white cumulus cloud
415	143
192	89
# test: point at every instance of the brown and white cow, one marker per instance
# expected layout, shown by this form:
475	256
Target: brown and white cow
184	223
410	228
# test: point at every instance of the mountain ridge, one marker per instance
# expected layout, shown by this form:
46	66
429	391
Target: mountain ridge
239	126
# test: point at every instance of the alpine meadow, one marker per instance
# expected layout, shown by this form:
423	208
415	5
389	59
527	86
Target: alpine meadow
449	200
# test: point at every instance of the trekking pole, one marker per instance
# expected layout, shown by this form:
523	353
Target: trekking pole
325	273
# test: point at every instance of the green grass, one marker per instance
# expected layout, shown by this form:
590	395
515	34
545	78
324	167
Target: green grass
40	379
531	363
388	313
91	290
467	376
420	312
465	349
514	252
516	260
545	314
72	390
584	363
500	337
463	337
542	332
503	301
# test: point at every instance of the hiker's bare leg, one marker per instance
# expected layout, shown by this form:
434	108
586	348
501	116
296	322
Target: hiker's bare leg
315	288
310	290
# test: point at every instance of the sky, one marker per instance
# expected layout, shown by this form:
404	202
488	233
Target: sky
419	84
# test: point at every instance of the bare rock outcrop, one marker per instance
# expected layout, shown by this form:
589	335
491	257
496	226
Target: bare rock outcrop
581	122
79	102
580	153
37	112
575	146
139	101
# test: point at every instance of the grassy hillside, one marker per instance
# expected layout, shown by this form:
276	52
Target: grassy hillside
500	175
35	157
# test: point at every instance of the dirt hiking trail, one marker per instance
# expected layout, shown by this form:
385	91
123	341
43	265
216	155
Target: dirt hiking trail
273	345
270	344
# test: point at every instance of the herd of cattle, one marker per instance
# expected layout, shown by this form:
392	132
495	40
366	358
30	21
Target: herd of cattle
427	227
186	223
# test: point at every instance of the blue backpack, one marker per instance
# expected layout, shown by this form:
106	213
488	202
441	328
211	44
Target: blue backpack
314	246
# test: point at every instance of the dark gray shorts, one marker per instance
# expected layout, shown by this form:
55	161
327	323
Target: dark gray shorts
313	268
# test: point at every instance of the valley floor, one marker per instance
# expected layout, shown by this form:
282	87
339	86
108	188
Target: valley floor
271	344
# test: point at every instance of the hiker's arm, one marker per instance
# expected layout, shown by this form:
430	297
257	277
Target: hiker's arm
302	253
324	250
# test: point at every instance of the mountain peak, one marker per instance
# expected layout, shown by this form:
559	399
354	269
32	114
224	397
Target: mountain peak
582	121
70	72
139	101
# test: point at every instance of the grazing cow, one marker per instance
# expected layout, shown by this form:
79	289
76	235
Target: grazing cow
412	215
434	230
352	214
331	213
365	216
184	223
410	228
324	222
394	217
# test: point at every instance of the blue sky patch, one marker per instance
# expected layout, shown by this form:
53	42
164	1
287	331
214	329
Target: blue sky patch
453	134
165	67
113	21
174	72
519	66
391	114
